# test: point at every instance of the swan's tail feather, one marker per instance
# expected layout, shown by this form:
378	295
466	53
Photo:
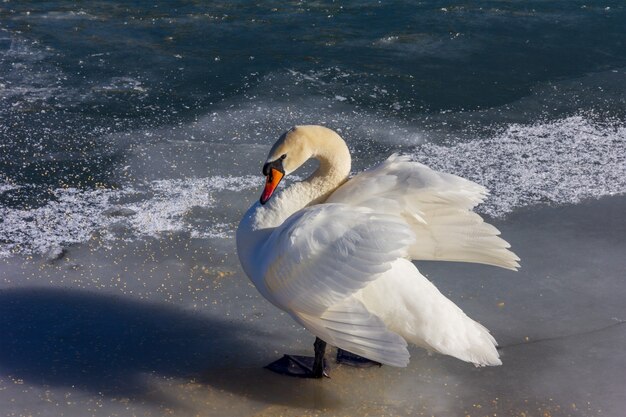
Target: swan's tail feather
475	345
412	307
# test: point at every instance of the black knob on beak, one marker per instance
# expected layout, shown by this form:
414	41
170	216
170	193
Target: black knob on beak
276	164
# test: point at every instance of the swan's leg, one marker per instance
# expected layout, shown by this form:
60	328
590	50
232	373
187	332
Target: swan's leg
318	363
351	359
303	366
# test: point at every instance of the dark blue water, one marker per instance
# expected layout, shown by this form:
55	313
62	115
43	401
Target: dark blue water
94	94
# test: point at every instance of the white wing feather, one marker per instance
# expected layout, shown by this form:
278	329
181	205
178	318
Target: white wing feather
436	205
352	327
414	308
322	255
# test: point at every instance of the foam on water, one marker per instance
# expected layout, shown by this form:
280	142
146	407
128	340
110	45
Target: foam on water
26	79
445	46
7	187
65	15
122	85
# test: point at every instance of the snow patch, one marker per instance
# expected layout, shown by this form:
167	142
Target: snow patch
75	215
559	162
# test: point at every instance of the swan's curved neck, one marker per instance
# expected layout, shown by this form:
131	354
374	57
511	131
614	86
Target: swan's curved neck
333	170
334	167
260	220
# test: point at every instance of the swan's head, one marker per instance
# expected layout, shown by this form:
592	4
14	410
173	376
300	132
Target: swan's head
289	152
292	150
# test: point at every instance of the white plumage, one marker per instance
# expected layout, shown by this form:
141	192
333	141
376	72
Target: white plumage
336	253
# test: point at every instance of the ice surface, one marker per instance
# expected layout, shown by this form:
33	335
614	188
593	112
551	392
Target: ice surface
172	326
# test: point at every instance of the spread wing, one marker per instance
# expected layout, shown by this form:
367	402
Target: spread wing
437	207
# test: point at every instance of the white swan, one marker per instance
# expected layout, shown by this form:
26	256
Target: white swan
336	253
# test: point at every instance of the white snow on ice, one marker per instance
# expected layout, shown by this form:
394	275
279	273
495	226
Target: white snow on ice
77	214
560	162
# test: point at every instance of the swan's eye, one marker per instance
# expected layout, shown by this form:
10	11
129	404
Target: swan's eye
283	156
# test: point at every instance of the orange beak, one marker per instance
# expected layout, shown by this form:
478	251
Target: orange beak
271	182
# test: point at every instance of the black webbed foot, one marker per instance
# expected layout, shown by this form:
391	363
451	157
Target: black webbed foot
303	366
299	366
350	359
